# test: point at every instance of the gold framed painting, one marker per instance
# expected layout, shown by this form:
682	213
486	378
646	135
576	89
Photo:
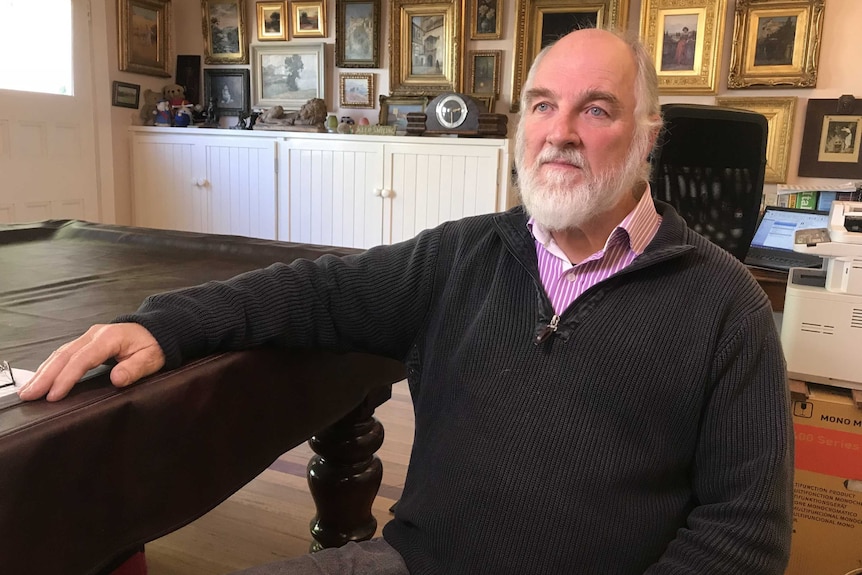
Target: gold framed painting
779	114
776	43
427	47
684	38
309	19
357	33
485	71
271	21
224	32
394	110
486	17
541	22
144	34
356	90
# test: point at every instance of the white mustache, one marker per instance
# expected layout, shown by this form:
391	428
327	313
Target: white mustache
568	156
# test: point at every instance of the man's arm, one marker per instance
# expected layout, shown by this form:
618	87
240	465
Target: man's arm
743	470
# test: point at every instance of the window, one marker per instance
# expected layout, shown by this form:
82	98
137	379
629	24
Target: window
36	44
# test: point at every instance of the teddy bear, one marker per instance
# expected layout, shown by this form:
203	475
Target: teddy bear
174	93
148	109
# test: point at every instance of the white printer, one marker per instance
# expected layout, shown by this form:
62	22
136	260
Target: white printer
821	331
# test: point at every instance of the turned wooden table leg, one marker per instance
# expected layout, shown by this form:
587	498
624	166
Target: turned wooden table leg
345	475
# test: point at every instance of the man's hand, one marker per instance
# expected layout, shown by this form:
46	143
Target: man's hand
135	349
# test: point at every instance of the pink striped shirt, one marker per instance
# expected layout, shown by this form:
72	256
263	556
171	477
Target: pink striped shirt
564	281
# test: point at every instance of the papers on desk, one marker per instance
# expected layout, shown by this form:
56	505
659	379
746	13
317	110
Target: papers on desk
22	376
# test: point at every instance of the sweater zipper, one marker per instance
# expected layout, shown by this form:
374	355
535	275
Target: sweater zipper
548	330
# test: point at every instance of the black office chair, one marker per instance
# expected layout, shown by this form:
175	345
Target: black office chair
709	164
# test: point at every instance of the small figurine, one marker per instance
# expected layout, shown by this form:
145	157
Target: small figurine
211	115
163	113
183	114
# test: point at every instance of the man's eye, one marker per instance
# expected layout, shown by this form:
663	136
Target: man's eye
596	111
541	107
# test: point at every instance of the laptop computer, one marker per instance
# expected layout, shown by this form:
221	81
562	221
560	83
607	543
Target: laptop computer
772	246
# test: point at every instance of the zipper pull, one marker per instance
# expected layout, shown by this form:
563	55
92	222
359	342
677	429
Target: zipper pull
548	330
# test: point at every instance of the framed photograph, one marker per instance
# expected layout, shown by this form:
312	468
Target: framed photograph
685	38
125	95
144	33
271	21
779	113
224	32
488	100
188	75
309	19
357	33
541	22
356	90
394	110
485	71
776	43
486	18
427	47
831	139
230	88
287	75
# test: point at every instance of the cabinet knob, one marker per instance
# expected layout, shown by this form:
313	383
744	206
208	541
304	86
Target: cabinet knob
201	182
378	192
387	193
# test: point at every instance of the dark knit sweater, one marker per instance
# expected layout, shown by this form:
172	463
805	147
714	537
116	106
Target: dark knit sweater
649	434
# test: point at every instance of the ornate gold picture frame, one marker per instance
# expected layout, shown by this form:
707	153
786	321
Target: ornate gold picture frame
685	39
356	90
224	32
271	21
486	18
144	33
394	110
357	33
308	19
776	43
779	113
541	22
427	47
485	71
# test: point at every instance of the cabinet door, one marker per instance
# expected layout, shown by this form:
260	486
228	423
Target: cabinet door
429	184
240	181
166	193
329	192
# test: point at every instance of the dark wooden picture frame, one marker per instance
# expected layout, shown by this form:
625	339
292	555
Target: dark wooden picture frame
125	95
357	33
230	87
825	152
188	75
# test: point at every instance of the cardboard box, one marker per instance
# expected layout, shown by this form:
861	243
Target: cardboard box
827	507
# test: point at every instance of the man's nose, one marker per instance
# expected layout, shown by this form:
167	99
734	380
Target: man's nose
564	130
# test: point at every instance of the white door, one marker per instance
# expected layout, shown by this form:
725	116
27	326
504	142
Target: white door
330	192
429	184
48	162
240	181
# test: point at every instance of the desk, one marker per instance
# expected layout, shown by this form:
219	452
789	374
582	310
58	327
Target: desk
774	283
105	470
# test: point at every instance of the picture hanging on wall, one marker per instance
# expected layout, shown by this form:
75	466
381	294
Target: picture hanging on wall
224	32
357	33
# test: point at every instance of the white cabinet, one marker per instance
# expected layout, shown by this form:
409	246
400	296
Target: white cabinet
364	191
216	184
332	189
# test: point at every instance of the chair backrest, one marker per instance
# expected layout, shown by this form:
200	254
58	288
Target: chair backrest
709	164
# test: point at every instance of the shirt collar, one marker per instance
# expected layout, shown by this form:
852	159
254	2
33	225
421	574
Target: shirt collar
637	228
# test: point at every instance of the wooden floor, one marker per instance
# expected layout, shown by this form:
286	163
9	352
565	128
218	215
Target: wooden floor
269	518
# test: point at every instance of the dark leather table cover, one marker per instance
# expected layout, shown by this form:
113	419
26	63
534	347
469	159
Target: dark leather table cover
87	478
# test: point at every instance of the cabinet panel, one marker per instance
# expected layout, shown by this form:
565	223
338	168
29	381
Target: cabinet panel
241	180
327	193
165	192
432	184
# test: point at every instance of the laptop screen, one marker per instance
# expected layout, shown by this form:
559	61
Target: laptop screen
778	226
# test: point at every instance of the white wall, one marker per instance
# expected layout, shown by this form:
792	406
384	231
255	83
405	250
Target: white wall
840	70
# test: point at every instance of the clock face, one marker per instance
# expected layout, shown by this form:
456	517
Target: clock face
451	111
